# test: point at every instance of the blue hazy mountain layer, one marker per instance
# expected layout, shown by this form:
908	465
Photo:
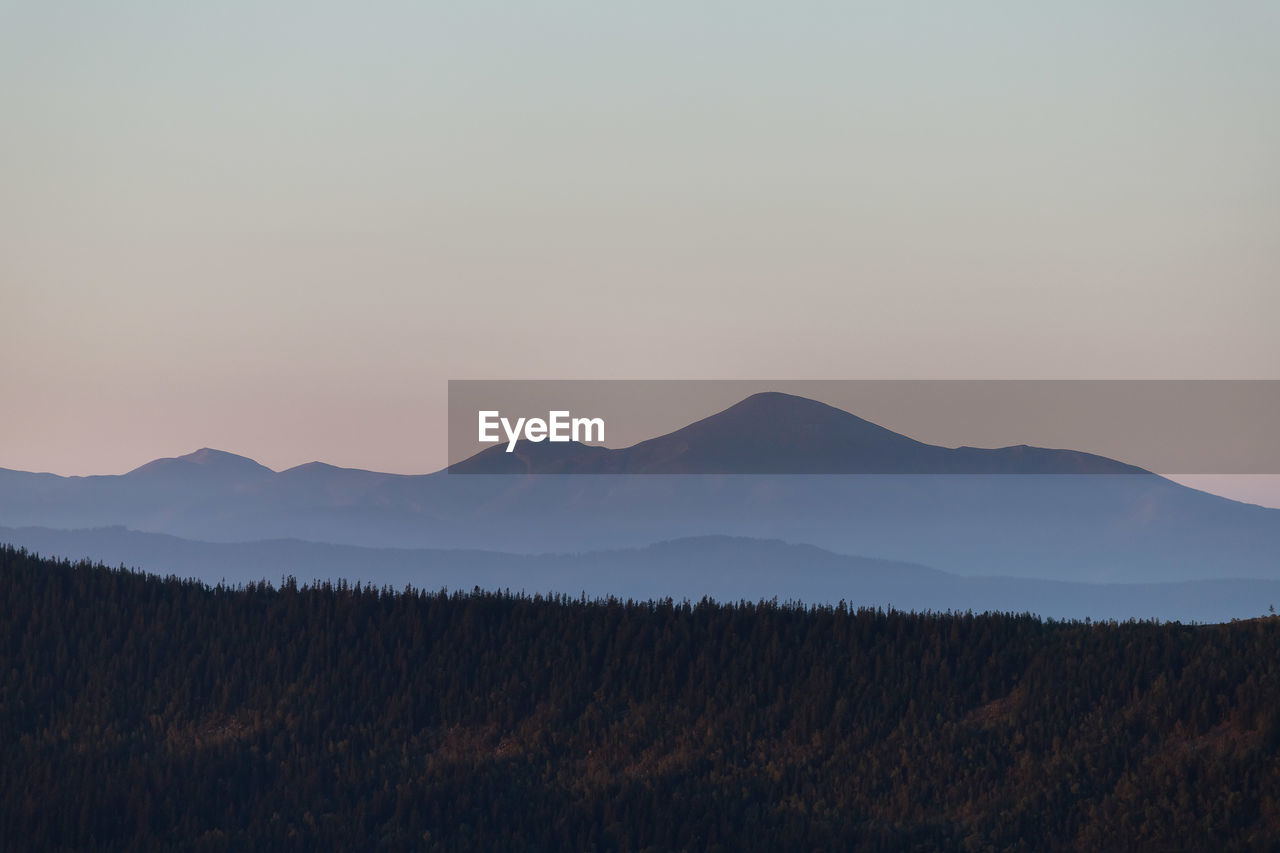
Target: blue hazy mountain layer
723	568
1015	511
1110	527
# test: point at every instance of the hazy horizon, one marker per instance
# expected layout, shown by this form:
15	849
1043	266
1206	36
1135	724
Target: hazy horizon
280	230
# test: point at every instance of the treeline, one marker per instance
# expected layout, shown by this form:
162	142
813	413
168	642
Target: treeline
141	713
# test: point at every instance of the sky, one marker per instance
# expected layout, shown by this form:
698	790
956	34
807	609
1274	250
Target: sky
279	228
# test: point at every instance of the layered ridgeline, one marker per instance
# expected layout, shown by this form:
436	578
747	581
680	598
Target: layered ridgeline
1021	512
774	433
140	713
719	567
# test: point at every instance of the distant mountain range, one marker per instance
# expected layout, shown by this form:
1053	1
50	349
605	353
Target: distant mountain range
849	487
774	433
719	567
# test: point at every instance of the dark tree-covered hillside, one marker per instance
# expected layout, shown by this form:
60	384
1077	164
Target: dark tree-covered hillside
140	713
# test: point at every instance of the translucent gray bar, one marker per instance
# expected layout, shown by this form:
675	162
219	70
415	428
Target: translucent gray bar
928	426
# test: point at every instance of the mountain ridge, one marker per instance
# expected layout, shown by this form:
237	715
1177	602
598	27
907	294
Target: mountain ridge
1122	526
766	433
776	433
204	459
723	568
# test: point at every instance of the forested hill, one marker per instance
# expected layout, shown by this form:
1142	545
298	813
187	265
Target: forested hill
143	713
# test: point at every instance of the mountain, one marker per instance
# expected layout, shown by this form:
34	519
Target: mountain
1017	511
775	433
204	464
723	568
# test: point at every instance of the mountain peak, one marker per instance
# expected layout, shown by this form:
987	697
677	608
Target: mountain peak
776	433
788	411
213	456
773	432
778	400
203	462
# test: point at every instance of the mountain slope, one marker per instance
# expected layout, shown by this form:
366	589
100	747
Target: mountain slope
1124	526
204	464
149	714
775	433
718	567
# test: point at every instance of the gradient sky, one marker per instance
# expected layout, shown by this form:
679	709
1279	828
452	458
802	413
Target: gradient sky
279	228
